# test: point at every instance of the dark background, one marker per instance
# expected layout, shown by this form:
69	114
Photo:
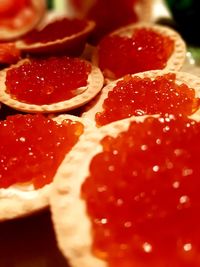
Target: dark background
30	242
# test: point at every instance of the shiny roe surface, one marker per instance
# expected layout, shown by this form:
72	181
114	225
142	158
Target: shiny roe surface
47	81
144	50
32	147
144	96
56	30
142	195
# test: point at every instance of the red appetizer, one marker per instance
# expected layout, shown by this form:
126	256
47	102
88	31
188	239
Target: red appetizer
137	48
32	148
137	195
58	36
152	92
49	84
19	17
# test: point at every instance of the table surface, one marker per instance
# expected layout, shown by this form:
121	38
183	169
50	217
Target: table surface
30	242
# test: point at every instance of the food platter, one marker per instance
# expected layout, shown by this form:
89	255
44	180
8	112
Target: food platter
31	241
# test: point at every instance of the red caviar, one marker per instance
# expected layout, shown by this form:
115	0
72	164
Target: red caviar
141	96
55	30
32	147
142	195
145	50
47	81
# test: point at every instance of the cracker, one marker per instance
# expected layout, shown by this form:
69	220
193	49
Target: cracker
95	83
95	106
175	61
71	222
65	45
11	34
21	200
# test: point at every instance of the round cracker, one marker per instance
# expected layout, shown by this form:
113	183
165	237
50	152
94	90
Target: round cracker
175	61
71	222
72	44
21	200
95	84
11	34
96	105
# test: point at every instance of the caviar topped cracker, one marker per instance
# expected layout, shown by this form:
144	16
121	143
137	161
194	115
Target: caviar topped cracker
49	84
19	17
135	196
139	47
58	35
32	148
147	93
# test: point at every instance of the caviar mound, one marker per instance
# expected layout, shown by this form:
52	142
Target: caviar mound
28	140
17	18
152	92
137	48
137	202
21	199
57	36
113	221
134	96
49	84
47	81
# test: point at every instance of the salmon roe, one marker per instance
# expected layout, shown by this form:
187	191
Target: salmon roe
142	195
58	29
141	96
145	50
47	81
32	147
